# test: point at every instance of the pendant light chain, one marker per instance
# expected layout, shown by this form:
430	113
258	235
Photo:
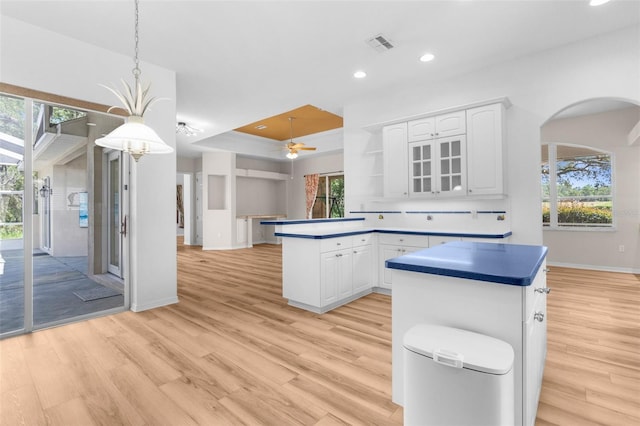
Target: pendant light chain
136	70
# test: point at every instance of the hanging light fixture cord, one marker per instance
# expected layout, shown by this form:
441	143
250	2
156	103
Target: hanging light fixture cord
136	70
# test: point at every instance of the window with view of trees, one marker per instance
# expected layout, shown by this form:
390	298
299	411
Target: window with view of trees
576	187
330	197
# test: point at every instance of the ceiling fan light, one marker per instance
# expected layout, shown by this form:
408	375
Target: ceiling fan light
292	155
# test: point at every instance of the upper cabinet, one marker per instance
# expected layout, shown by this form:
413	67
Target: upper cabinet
457	154
439	126
485	149
394	161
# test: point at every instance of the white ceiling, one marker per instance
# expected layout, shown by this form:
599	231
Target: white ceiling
241	61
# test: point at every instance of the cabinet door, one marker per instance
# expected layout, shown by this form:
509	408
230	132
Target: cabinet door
362	268
422	167
345	274
395	157
451	124
452	168
485	134
389	252
535	352
420	130
330	276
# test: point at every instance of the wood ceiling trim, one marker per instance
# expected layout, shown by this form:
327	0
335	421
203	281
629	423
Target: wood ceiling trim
307	120
51	98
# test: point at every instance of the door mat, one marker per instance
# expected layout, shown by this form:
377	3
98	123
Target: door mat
96	293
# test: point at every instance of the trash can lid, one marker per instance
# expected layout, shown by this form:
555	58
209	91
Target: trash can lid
460	348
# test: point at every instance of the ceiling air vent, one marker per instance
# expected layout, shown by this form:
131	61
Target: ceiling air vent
380	43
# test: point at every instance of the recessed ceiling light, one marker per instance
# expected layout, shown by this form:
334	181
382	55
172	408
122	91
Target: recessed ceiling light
427	57
261	127
598	2
359	74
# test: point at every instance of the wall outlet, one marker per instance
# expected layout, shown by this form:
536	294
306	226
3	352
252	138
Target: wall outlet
621	248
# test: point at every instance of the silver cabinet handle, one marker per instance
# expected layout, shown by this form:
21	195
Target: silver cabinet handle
538	316
545	290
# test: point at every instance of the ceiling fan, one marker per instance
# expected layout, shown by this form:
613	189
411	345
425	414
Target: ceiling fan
294	147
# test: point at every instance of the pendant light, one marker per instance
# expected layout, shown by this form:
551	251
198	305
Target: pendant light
134	136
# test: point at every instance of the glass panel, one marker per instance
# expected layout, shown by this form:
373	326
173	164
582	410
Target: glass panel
426	184
114	217
416	153
583	182
417	169
427	169
444	184
456	166
426	152
457	182
444	149
455	149
336	196
416	185
12	128
319	210
444	167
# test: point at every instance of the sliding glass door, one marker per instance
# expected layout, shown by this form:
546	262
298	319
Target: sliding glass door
61	210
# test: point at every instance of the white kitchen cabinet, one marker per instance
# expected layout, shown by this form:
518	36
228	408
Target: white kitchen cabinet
394	245
336	276
438	167
515	314
438	126
363	263
485	150
322	274
394	160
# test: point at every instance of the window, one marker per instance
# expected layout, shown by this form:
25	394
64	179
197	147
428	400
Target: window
577	187
330	197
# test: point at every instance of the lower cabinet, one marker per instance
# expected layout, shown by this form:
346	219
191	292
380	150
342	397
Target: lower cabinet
320	275
336	276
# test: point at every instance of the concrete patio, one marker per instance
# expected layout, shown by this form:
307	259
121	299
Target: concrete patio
54	281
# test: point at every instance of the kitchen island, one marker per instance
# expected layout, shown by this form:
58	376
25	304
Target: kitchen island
327	263
498	290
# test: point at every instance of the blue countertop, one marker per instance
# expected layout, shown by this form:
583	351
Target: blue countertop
322	234
511	264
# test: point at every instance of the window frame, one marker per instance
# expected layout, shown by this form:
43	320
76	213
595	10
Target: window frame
552	159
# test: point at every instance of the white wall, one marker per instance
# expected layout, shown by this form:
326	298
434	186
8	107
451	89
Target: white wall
537	85
74	69
327	163
599	249
68	238
218	225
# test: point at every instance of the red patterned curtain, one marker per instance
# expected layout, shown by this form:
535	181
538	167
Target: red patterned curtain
311	190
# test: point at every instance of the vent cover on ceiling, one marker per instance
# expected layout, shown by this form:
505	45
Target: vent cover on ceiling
380	43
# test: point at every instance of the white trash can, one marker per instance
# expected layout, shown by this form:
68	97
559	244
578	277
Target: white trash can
456	377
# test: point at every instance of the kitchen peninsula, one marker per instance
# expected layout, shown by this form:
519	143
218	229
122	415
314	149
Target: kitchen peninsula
498	290
327	263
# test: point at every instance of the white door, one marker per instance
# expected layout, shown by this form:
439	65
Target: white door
116	224
199	208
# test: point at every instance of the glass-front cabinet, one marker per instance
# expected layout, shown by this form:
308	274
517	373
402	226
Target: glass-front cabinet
438	167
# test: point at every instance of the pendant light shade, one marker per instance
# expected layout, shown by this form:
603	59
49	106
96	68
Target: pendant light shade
136	138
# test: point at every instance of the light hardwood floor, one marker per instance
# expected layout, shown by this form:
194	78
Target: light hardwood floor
233	352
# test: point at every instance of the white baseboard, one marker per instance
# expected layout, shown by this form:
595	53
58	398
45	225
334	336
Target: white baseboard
595	267
155	304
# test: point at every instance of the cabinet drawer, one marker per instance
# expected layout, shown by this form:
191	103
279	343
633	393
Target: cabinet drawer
435	240
361	240
338	243
421	241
